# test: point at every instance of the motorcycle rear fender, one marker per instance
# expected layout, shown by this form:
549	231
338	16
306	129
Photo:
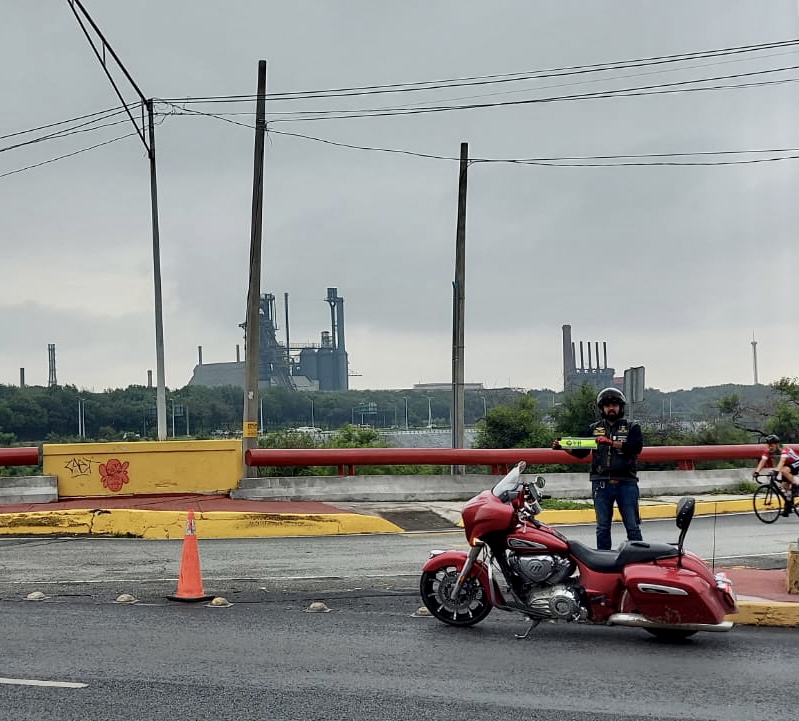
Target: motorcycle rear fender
445	559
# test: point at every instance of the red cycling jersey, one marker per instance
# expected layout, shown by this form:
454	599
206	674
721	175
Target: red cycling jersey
788	455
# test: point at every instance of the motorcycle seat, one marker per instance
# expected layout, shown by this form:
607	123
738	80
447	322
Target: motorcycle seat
629	552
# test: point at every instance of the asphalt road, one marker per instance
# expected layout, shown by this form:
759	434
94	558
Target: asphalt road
106	567
370	658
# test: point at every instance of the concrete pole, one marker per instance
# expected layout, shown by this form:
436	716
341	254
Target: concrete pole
253	326
458	308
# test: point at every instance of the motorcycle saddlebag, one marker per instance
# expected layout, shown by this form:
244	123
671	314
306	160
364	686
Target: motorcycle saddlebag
669	594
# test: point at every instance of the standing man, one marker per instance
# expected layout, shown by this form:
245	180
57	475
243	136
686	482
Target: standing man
614	477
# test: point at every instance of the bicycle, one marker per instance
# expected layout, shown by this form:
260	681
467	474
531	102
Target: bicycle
769	499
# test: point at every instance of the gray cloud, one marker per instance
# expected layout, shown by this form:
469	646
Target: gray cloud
675	267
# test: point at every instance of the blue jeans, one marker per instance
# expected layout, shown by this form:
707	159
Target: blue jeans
625	496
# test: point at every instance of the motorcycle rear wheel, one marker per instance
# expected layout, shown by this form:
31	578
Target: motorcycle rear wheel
472	605
670	634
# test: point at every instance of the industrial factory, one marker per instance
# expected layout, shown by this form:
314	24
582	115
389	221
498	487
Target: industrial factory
596	373
315	367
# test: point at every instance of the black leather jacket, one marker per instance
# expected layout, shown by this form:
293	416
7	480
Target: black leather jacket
608	463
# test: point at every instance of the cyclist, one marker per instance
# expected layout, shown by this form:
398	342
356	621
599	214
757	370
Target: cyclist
787	467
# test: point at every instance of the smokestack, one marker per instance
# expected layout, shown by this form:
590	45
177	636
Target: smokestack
199	355
149	379
21	377
754	358
286	305
238	354
605	353
590	365
582	358
596	345
568	353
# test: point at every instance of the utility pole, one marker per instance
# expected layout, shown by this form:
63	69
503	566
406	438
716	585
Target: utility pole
458	305
149	144
252	326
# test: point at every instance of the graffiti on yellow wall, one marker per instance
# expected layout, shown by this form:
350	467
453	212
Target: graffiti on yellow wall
113	473
78	467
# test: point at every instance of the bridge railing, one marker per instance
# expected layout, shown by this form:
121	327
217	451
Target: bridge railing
347	459
20	456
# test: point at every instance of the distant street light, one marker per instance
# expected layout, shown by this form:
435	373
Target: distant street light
429	412
405	398
313	425
485	407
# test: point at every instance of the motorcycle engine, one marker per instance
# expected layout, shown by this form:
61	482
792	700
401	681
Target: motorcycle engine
541	569
547	591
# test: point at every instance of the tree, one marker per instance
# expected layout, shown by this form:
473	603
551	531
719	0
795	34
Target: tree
518	425
576	412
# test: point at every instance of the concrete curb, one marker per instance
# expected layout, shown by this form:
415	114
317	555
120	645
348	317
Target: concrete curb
766	613
172	524
219	524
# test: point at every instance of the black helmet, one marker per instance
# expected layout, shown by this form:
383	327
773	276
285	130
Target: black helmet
611	395
772	439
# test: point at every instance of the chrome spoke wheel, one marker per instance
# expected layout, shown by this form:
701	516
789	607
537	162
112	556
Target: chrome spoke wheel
471	606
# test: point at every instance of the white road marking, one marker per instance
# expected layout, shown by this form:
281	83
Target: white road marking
36	682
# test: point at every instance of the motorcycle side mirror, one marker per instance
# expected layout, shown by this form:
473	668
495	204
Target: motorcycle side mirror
685	512
540	481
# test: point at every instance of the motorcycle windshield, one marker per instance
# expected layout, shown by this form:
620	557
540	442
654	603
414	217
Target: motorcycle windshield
508	488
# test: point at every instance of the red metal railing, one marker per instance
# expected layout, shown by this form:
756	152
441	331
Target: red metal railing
346	459
20	456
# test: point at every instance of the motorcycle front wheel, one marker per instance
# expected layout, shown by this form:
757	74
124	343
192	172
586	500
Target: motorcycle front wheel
471	606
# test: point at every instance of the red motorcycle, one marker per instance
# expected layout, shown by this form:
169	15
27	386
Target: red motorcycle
517	563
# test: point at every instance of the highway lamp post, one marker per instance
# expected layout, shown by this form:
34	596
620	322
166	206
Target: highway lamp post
172	401
429	412
312	418
485	407
260	415
103	52
405	398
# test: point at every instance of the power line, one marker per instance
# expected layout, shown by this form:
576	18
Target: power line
87	127
577	161
67	155
61	122
497	78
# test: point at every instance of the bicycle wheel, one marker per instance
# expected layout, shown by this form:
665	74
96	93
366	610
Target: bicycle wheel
767	503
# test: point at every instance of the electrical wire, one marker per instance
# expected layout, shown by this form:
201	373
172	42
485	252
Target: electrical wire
498	78
68	155
61	122
68	132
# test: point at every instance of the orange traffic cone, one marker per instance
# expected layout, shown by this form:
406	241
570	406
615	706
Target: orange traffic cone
190	582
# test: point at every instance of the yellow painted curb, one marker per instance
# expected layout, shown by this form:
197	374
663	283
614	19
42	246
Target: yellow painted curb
651	511
766	613
172	524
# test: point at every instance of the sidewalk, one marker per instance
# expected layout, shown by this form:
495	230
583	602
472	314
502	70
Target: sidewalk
762	594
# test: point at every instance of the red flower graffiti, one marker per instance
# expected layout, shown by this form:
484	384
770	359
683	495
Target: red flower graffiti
114	474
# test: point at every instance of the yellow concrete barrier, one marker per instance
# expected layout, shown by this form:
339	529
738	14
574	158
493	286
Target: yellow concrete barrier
146	467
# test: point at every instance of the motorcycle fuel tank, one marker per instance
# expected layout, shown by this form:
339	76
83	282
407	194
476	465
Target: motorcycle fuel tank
529	539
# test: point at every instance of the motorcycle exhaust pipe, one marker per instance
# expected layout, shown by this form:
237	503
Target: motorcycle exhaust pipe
637	621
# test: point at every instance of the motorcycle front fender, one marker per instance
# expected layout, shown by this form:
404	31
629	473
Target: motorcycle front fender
446	559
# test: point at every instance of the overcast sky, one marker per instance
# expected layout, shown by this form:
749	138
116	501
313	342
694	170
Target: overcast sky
676	268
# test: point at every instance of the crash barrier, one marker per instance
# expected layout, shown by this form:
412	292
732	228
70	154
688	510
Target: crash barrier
28	489
20	456
447	487
347	459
